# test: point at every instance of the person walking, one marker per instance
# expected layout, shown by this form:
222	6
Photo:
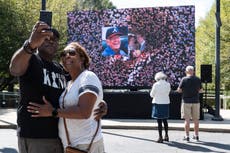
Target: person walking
190	87
160	108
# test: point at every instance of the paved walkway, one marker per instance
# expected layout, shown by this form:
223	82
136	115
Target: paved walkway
8	120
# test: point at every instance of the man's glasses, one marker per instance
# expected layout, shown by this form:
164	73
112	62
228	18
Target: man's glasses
71	52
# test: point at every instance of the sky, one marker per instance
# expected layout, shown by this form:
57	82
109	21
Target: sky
201	6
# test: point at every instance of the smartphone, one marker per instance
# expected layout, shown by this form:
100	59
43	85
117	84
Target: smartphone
46	16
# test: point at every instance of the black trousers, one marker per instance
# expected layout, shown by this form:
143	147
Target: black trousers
165	122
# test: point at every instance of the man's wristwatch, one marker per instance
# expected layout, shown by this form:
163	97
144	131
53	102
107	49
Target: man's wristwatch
55	112
27	48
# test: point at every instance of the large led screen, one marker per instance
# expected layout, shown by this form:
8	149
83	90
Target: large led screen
128	46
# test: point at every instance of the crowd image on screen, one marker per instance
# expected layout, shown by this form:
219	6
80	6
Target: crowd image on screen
159	39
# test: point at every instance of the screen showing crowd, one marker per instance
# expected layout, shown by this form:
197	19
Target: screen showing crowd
128	46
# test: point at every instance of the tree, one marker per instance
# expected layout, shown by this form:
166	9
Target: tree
11	34
95	4
205	43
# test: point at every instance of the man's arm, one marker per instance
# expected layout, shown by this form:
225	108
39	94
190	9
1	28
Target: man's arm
181	85
20	60
46	109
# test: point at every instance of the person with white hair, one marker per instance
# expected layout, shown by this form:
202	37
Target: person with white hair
160	109
190	86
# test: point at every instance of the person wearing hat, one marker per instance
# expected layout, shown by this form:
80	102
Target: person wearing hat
113	42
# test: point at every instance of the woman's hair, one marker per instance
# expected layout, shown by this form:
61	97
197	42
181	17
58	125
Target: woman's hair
160	76
82	53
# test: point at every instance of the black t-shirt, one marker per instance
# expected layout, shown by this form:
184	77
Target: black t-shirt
42	78
190	86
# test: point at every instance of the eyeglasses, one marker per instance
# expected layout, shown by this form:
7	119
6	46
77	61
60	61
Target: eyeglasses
71	52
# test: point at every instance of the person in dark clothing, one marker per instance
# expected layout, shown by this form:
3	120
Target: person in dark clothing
190	86
40	76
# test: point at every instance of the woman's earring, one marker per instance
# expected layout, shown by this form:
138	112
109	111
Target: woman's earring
81	67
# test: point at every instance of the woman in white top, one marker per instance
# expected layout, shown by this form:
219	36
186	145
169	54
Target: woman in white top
77	103
160	110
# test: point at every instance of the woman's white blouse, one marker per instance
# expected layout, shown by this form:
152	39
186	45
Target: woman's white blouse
81	131
160	92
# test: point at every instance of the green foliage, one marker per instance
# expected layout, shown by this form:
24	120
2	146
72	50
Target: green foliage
59	9
8	39
225	44
94	4
15	26
205	43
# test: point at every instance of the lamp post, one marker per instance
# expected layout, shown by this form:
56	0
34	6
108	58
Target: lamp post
217	116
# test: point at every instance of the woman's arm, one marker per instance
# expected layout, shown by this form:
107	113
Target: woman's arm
81	111
153	91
